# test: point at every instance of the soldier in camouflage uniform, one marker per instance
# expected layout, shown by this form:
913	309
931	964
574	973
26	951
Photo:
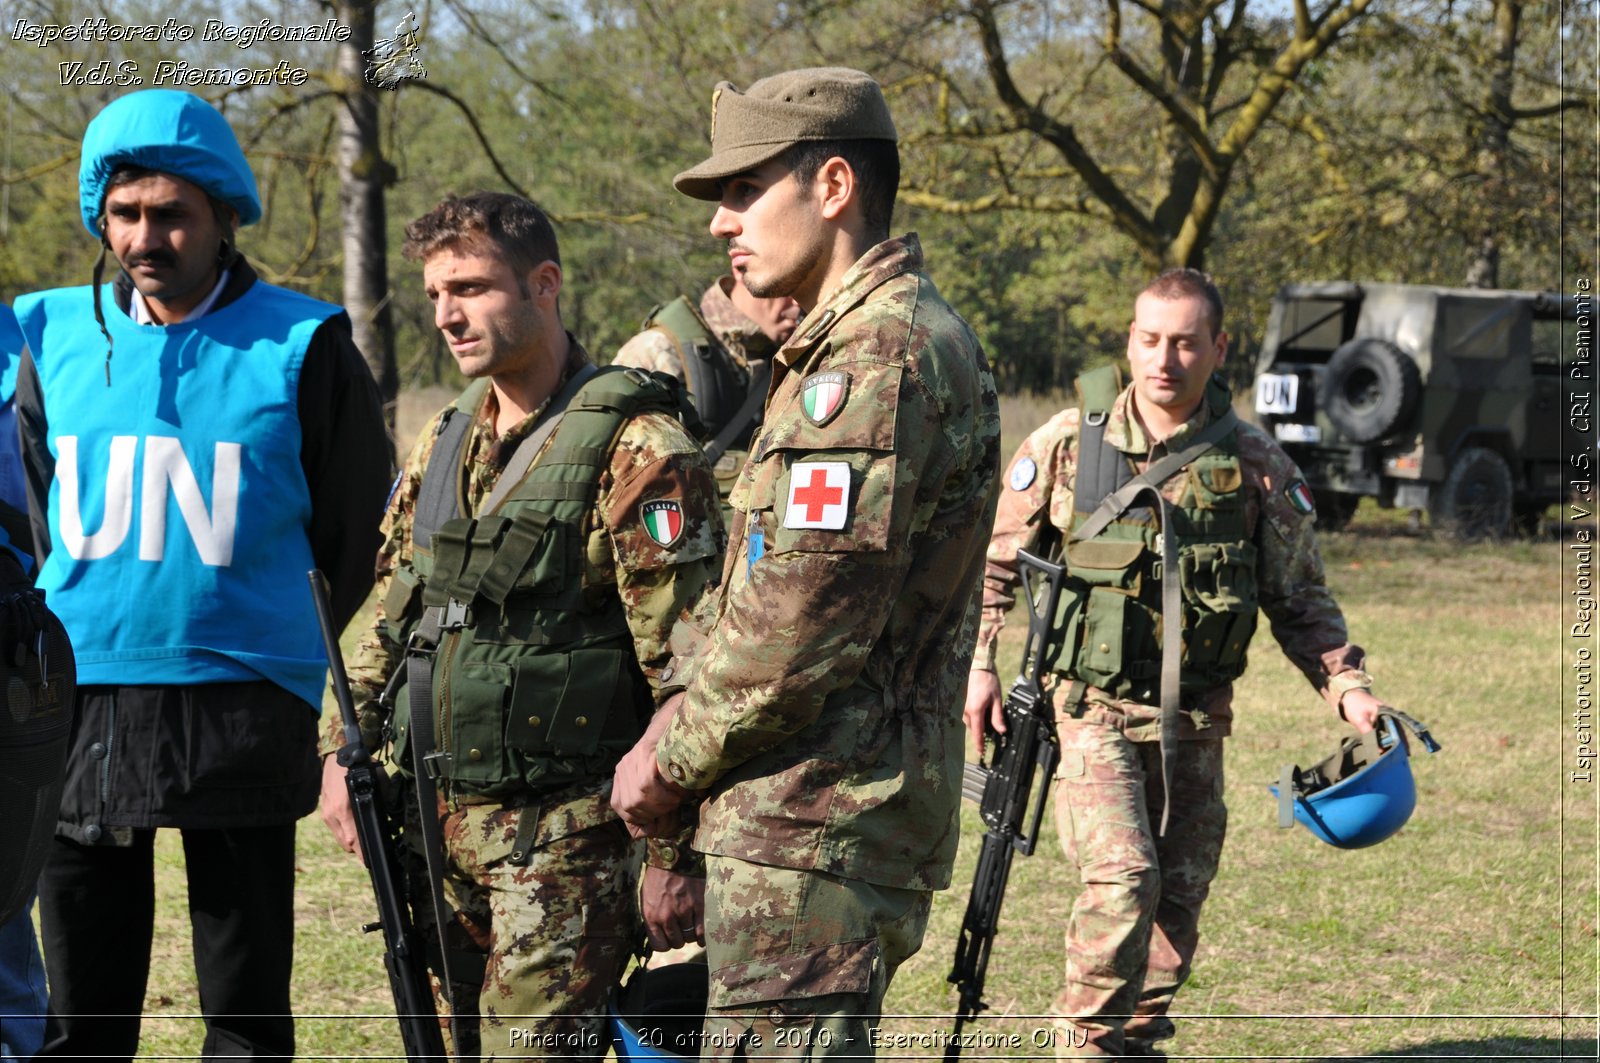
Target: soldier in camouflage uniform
819	719
540	873
1242	520
749	331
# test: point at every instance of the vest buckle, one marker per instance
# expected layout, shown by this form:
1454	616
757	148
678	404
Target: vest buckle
437	765
1095	418
456	616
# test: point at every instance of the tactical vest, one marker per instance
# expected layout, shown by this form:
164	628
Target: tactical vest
715	380
535	682
1109	619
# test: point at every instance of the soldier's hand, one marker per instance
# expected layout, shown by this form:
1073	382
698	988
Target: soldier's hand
647	802
1360	708
985	707
336	805
674	908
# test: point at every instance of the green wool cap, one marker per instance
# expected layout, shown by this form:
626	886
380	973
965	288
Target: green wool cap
755	126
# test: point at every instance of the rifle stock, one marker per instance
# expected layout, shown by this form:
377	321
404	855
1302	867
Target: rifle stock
1008	801
403	955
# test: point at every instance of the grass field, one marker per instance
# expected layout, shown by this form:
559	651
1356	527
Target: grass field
1471	934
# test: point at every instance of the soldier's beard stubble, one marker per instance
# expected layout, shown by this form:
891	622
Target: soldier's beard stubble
780	285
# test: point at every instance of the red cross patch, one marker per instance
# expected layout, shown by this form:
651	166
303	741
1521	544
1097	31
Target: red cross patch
819	495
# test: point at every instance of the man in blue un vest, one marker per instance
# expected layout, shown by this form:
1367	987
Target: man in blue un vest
195	440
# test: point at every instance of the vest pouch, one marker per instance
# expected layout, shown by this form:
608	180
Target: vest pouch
478	691
1115	626
530	557
1105	562
1220	577
561	702
1214	648
400	602
452	551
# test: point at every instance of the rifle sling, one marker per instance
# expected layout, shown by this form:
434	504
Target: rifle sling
419	680
1158	473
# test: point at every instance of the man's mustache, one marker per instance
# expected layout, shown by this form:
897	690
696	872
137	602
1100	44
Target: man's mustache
152	258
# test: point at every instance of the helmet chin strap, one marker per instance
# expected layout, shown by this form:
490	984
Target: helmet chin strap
99	312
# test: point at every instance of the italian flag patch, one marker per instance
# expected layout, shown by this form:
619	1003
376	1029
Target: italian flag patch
1300	497
663	520
823	395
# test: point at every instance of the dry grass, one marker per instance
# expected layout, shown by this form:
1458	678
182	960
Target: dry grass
1468	935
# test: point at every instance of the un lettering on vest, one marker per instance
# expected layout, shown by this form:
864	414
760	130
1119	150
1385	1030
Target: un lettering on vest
166	466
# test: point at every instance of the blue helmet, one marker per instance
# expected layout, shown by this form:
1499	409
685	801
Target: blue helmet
659	1013
174	132
1360	795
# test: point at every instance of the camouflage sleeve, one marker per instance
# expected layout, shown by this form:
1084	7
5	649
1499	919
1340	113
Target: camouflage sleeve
651	349
661	524
1036	483
377	655
1305	619
839	506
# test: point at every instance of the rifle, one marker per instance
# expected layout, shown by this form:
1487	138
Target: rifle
1001	788
403	955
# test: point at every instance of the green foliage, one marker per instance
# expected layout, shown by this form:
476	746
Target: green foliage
1367	169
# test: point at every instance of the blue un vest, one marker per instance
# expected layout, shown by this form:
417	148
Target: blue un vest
179	509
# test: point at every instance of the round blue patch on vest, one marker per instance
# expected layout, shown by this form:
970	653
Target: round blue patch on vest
1022	474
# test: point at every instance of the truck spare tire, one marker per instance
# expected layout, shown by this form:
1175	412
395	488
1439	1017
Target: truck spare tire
1370	388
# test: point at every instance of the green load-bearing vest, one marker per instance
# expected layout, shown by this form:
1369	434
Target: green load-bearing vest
716	382
535	685
1109	620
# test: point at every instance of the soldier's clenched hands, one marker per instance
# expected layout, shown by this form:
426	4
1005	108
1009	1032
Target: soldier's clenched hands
984	706
674	908
646	801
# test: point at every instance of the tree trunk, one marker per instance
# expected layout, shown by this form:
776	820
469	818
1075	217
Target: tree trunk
1497	117
363	175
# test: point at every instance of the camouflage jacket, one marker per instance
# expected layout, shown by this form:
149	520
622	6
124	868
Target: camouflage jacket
1305	619
653	458
824	681
652	349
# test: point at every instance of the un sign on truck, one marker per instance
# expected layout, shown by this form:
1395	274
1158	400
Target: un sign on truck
1448	400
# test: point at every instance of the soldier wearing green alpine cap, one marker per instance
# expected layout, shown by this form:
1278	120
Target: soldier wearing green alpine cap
816	706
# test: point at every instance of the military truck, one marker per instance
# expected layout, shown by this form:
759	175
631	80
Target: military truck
1444	400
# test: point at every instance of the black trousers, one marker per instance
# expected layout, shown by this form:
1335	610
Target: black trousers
97	909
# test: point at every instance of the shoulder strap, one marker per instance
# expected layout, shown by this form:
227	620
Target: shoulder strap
592	410
754	402
439	496
1101	469
1157	474
520	461
1098	388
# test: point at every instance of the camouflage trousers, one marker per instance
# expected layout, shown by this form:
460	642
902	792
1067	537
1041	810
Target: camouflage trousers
553	935
1135	925
800	960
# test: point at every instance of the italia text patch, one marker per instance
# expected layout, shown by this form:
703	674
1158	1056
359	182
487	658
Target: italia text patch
663	520
823	396
819	495
1300	497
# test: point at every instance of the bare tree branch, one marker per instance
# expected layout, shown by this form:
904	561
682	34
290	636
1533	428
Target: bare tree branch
1129	217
